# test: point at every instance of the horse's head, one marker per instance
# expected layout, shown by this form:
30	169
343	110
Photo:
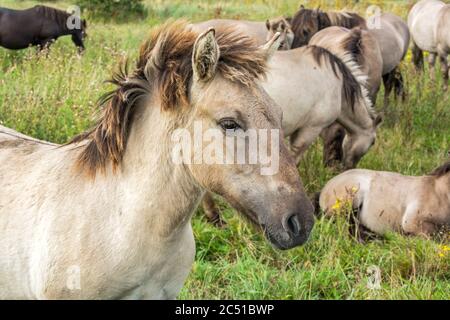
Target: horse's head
282	26
223	131
356	145
305	24
79	35
242	156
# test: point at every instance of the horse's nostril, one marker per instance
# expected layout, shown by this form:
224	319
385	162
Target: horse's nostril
292	225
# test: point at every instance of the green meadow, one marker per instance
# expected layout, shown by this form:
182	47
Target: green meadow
54	97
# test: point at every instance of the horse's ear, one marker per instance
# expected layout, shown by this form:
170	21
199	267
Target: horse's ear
268	24
205	56
302	7
315	13
271	46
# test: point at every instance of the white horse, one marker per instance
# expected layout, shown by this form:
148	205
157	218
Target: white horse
108	214
429	23
387	201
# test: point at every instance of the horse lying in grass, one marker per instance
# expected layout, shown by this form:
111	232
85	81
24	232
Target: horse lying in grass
386	201
316	88
389	30
429	22
38	26
108	214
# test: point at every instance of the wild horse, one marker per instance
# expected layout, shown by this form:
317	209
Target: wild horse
39	26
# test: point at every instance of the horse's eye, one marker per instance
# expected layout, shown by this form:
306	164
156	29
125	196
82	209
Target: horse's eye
229	124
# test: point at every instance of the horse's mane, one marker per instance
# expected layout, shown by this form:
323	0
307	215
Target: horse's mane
353	80
353	44
304	17
442	170
59	16
346	19
164	64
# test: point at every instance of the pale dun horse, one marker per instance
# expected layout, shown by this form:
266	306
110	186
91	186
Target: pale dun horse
364	48
429	23
391	202
389	30
316	88
108	214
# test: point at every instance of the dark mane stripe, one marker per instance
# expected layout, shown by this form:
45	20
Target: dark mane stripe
353	45
347	20
164	65
351	89
442	170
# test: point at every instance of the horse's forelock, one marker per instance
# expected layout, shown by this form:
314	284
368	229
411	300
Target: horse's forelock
164	64
307	19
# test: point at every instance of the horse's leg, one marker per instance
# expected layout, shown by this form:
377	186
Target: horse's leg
417	57
388	81
302	139
399	84
445	70
44	45
332	137
414	224
432	63
211	211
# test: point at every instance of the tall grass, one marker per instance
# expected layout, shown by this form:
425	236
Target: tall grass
54	97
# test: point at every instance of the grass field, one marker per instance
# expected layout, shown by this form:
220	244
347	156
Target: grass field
54	97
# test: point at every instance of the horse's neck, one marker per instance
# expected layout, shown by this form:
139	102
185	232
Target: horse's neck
442	187
357	119
163	192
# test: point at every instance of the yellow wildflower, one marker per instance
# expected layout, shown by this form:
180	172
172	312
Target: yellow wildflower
337	205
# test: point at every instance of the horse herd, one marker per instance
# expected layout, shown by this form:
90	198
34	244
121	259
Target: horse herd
107	215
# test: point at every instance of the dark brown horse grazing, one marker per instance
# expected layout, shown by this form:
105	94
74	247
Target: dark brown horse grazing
38	26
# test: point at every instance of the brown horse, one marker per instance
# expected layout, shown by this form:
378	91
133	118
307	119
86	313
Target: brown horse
39	26
386	201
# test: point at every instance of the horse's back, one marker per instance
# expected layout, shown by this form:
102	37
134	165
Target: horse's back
393	38
443	31
422	22
350	183
253	29
361	43
19	28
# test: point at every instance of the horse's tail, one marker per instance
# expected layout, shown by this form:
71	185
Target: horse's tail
354	87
